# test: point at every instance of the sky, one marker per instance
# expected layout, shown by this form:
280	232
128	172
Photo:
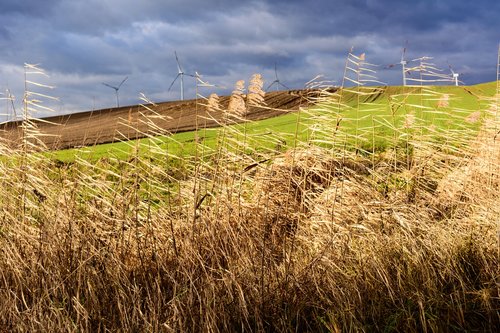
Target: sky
83	43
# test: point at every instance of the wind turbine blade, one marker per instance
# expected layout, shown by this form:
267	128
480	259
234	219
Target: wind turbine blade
125	79
286	87
403	54
179	68
451	68
174	81
424	58
272	83
107	85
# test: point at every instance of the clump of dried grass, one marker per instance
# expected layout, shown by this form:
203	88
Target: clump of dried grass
444	101
473	117
213	104
476	182
293	183
256	93
236	105
241	103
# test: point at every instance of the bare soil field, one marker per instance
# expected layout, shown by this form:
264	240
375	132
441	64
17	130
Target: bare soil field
129	122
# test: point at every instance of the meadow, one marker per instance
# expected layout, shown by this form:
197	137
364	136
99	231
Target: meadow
374	209
370	117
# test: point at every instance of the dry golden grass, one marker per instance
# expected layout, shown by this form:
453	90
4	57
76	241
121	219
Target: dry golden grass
256	93
237	101
313	239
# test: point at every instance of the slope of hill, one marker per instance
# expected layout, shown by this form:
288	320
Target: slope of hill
109	125
358	111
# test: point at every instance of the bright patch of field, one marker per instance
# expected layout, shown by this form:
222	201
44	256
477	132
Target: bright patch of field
366	120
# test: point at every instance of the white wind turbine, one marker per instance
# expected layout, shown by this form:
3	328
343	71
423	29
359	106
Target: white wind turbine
403	62
180	74
277	80
454	75
11	108
116	89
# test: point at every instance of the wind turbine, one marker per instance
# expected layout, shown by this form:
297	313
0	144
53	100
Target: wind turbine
116	89
403	62
454	75
9	98
277	80
180	74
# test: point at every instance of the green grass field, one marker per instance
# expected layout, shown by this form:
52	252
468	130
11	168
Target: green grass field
369	120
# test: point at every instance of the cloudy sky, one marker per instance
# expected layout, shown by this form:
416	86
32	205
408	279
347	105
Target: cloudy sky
83	43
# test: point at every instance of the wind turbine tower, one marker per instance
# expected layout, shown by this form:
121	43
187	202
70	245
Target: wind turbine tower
454	75
180	73
403	63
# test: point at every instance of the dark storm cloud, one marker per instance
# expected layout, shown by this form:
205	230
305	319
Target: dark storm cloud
84	43
27	7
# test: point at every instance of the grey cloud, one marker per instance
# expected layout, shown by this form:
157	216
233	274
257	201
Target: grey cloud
27	7
83	43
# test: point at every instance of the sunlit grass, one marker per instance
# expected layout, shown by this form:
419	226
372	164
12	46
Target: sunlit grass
374	123
373	210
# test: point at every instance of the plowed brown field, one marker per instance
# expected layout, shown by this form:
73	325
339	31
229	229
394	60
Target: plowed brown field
128	122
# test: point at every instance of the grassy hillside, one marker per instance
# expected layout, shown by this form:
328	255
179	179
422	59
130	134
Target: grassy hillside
370	119
375	210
